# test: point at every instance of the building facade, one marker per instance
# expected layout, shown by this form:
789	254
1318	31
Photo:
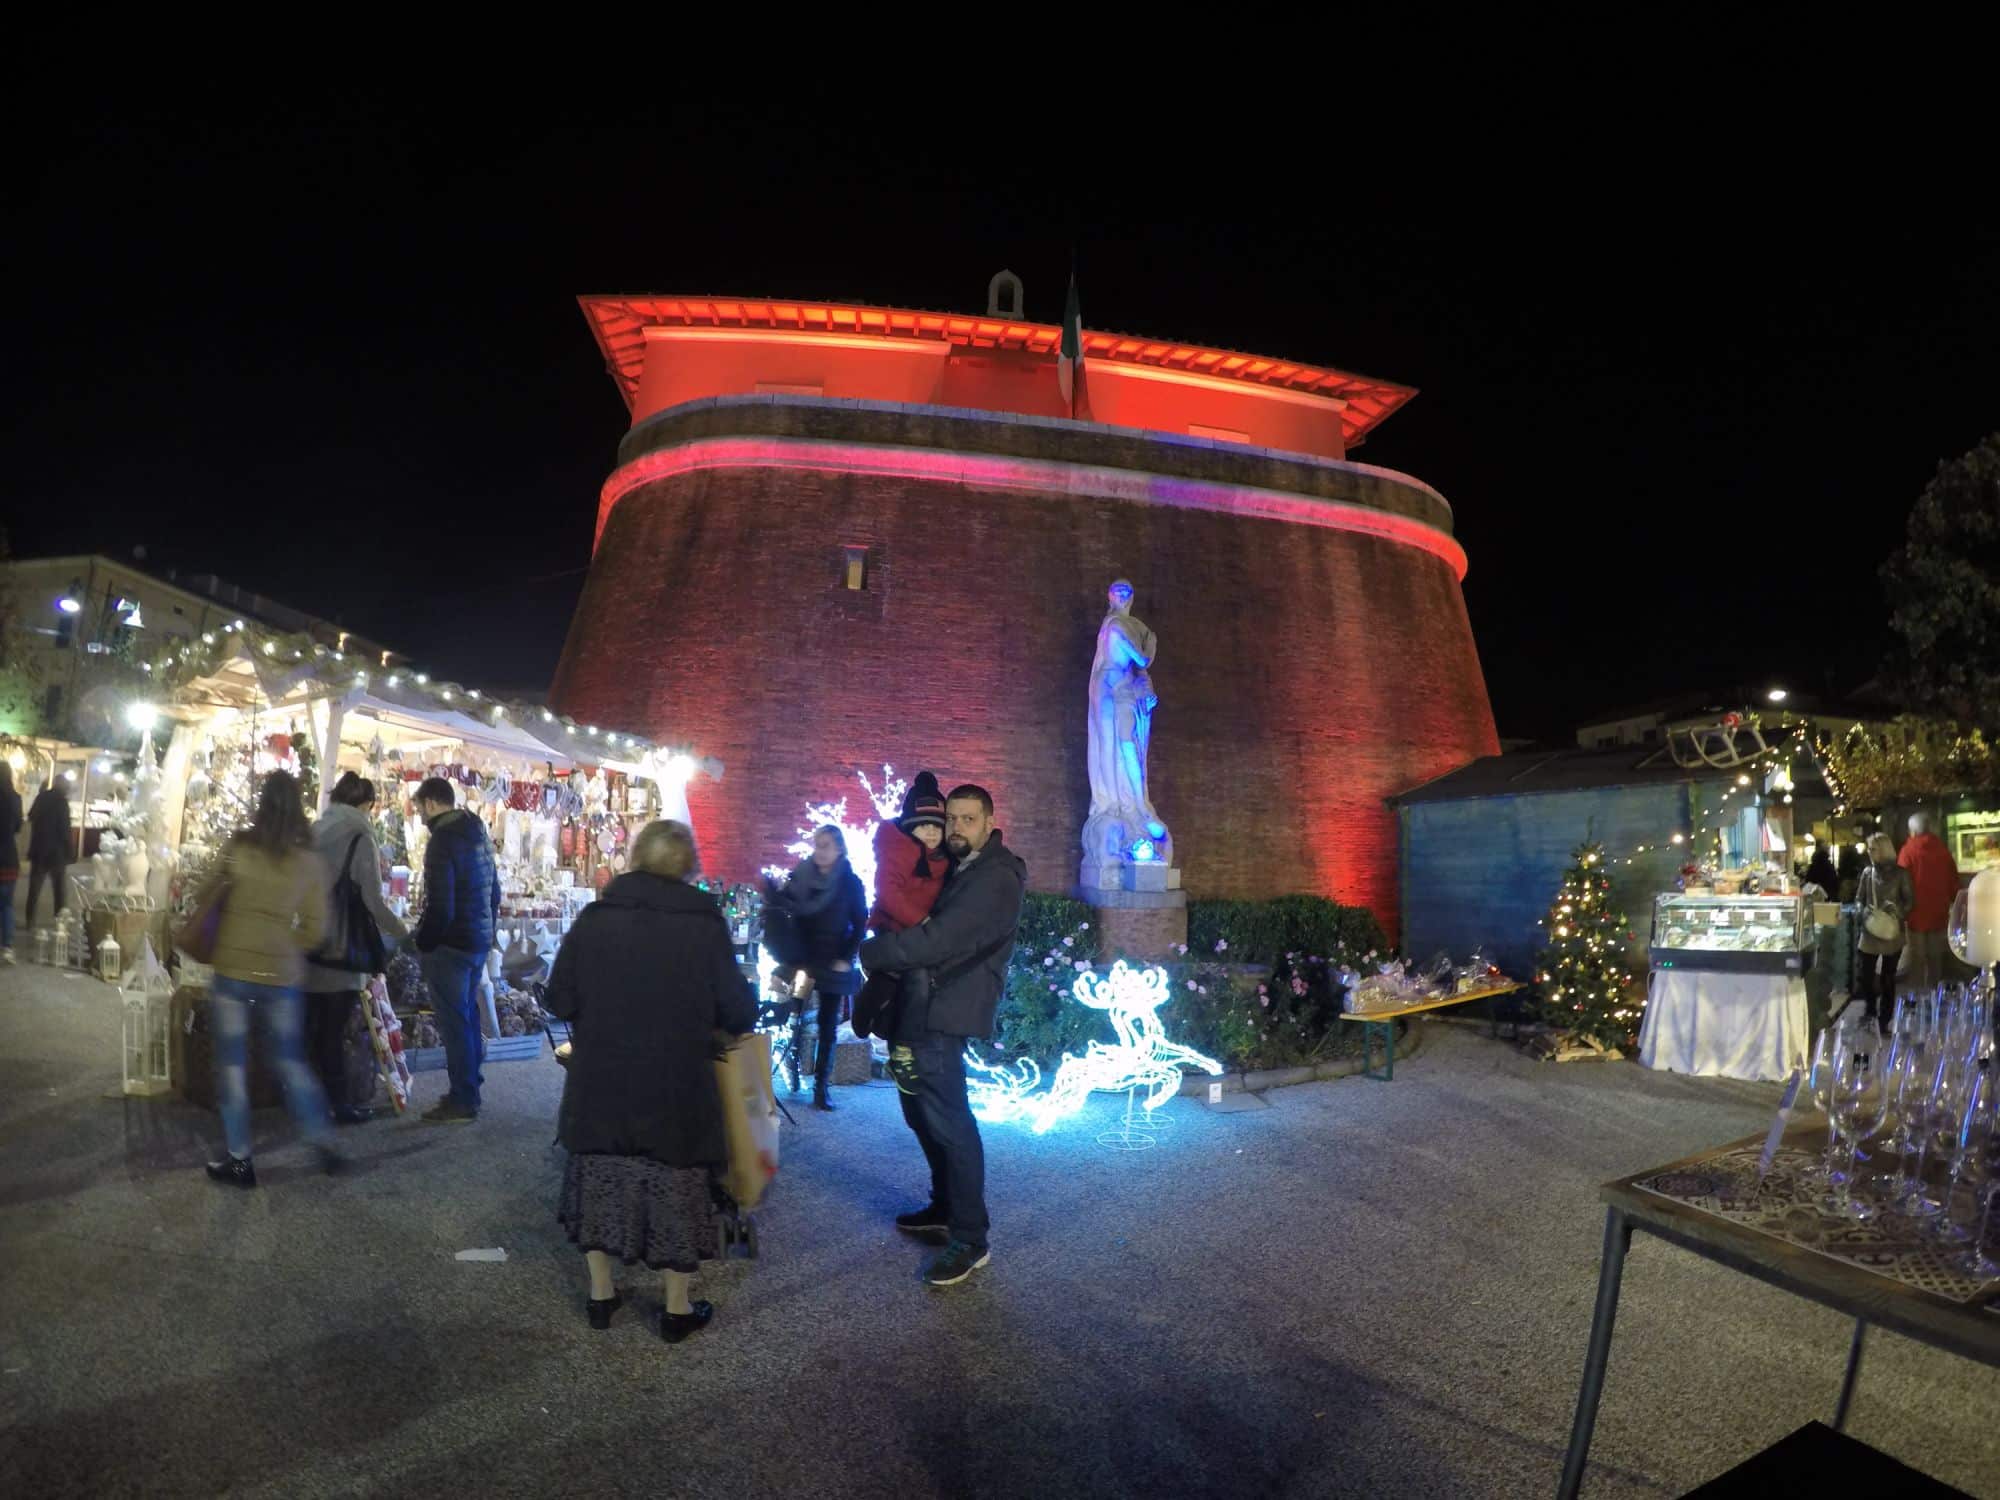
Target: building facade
838	537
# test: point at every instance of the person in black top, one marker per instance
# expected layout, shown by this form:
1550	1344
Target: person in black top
953	968
830	911
10	858
48	844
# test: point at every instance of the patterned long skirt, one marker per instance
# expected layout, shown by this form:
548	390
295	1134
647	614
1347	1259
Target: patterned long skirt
636	1209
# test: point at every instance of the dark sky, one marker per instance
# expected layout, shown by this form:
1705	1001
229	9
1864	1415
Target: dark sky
1680	407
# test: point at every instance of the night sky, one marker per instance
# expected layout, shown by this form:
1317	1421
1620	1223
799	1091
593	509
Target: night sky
1680	426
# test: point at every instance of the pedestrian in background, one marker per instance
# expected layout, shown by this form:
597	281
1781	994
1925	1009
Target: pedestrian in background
48	843
1935	876
454	936
646	978
273	911
10	858
344	839
830	908
1886	897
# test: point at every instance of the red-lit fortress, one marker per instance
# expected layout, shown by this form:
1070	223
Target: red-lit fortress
838	536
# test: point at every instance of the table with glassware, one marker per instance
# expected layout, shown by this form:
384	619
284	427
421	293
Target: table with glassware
1878	1202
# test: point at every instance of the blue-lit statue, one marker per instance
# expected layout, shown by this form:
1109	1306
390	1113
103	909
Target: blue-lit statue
1122	828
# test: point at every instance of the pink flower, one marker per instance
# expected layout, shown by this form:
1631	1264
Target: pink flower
1053	990
1049	961
1082	966
1222	945
1083	927
1298	985
1069	942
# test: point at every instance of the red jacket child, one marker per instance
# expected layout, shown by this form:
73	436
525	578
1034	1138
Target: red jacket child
910	866
910	861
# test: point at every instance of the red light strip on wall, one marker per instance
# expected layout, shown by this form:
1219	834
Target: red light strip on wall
989	471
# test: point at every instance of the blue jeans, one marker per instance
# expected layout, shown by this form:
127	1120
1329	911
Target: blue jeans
941	1118
6	913
233	1001
453	976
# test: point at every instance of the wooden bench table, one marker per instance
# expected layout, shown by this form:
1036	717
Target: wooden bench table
1381	1023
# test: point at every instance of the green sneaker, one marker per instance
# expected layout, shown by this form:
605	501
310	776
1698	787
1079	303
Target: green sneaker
903	1068
958	1261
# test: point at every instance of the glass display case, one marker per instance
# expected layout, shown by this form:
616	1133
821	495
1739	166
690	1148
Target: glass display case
1747	934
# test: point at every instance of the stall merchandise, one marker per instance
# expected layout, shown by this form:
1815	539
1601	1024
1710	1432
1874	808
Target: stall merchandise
1727	995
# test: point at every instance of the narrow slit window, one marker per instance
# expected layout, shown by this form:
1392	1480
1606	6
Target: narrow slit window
855	574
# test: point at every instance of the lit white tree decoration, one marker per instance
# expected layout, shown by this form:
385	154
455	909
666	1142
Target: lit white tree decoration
1142	1058
888	803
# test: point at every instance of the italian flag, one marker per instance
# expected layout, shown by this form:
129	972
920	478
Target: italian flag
1069	357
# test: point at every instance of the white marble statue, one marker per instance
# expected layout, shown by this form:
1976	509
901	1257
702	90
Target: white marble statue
1123	828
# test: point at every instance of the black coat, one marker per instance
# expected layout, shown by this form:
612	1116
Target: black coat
831	920
10	824
647	977
48	828
960	952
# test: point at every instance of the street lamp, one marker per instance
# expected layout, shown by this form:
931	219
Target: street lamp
68	603
1776	695
142	716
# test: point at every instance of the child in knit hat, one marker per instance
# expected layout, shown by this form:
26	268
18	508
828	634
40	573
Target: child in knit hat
910	866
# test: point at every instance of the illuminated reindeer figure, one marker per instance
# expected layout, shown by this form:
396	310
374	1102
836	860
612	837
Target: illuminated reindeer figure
1143	1058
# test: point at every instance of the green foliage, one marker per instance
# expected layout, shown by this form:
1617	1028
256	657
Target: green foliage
1264	932
1943	591
1259	990
1582	983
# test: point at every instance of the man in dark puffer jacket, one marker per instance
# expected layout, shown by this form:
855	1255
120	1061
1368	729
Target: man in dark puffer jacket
461	913
953	968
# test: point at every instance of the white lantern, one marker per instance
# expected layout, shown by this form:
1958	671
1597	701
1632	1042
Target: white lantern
148	995
110	960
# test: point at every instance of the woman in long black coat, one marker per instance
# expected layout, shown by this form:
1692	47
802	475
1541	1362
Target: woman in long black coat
830	906
646	978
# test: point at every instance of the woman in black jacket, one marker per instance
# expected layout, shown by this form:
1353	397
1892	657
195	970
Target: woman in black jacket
826	898
10	858
646	978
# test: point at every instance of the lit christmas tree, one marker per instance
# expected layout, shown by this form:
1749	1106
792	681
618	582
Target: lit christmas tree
1582	983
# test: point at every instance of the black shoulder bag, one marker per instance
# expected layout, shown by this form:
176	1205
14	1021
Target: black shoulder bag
358	946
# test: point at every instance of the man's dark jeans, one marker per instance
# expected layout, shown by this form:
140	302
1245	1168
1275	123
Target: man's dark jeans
941	1118
454	980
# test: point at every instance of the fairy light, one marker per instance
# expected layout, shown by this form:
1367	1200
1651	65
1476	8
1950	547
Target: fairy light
1142	1058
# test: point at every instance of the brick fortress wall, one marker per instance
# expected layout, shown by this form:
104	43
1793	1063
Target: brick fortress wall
1305	673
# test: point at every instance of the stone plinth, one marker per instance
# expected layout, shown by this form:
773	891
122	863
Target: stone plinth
1143	925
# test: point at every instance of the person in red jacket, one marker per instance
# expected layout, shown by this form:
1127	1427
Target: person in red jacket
1935	875
910	866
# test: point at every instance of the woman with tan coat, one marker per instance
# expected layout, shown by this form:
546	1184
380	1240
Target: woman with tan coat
273	914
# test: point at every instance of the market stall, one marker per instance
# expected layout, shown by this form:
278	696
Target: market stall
561	802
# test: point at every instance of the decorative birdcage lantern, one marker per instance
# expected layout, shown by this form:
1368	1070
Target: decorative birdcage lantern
44	944
72	941
110	960
147	993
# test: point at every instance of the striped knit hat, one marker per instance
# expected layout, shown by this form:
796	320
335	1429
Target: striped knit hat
922	803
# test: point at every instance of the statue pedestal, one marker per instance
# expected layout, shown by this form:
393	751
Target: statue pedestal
1146	925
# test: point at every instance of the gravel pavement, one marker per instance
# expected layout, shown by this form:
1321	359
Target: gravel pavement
1361	1290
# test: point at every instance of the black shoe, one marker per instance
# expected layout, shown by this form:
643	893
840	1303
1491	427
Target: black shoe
331	1161
600	1312
346	1116
926	1220
824	1100
234	1170
449	1112
959	1261
675	1327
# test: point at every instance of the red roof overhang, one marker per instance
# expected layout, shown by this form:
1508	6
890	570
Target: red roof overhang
620	325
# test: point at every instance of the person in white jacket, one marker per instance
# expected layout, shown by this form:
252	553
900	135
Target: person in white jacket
344	838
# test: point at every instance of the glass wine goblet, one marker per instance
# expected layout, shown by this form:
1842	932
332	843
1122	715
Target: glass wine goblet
1977	1170
1914	1088
1819	1079
1860	1104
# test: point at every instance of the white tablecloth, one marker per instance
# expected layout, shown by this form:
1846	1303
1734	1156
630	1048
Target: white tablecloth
1722	1025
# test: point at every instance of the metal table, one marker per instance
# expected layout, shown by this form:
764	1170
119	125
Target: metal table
1649	1201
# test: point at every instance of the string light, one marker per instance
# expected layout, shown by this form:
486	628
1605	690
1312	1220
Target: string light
1142	1057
